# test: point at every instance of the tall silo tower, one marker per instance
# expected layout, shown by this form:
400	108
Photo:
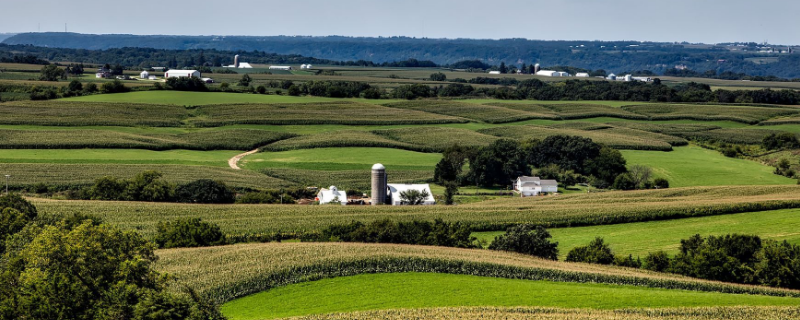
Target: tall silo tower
236	61
536	68
379	180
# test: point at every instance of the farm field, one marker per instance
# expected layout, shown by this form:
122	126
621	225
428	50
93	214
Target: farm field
694	166
492	215
117	156
202	98
428	290
343	159
641	238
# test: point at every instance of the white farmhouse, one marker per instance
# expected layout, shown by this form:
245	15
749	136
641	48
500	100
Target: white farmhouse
533	186
332	194
286	68
182	74
396	189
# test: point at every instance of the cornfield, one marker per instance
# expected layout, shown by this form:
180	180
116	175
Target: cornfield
230	139
436	139
313	113
69	113
484	113
337	139
225	273
749	115
519	313
619	138
667	128
740	136
490	215
780	121
583	111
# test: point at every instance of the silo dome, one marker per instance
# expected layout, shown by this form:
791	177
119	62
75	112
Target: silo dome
378	166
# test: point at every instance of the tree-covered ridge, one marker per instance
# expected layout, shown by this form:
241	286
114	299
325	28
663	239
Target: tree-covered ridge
616	56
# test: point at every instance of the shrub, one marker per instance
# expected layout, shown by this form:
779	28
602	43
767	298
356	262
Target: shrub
784	140
293	90
596	252
527	240
624	182
656	261
91	87
18	203
438	77
628	261
661	183
115	86
438	233
192	232
205	191
261	89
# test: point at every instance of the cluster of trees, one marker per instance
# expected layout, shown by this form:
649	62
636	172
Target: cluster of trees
724	75
780	141
184	84
48	276
150	186
527	239
639	177
437	233
570	158
26	58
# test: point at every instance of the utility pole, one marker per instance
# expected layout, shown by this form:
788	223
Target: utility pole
7	176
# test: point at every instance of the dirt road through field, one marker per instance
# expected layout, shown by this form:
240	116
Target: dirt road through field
234	162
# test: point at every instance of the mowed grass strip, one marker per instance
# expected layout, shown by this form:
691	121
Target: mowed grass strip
217	158
641	238
224	273
484	113
744	114
491	215
71	113
620	139
428	290
341	112
78	175
229	139
694	166
520	313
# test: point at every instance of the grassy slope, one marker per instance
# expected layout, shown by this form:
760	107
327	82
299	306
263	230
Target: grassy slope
342	159
202	98
117	156
695	166
641	238
425	290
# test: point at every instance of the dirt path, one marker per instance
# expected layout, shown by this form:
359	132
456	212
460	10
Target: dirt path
234	162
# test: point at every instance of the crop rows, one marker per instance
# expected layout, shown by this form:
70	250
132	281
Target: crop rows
436	139
749	115
350	113
667	128
77	175
491	215
583	111
69	113
344	179
228	272
484	113
780	121
232	139
619	138
526	313
740	136
337	139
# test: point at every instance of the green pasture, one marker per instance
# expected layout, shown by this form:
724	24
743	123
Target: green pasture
184	98
426	290
641	238
694	166
217	158
342	159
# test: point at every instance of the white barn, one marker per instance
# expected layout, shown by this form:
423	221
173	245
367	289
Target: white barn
286	68
533	186
332	194
582	75
547	73
395	190
182	74
144	75
494	72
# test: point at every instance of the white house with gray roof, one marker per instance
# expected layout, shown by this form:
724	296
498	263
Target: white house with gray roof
534	186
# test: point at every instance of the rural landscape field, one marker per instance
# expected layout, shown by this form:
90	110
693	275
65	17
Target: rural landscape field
280	177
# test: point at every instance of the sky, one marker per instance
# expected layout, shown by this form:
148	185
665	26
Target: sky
706	21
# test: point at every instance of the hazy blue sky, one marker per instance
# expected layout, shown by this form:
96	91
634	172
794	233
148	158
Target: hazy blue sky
707	21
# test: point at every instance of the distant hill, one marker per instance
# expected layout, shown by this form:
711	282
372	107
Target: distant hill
4	36
613	56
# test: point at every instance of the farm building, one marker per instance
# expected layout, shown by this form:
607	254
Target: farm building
548	73
643	79
494	72
534	186
103	73
394	191
207	80
182	74
582	75
158	68
563	74
286	68
144	75
612	77
152	77
331	194
305	66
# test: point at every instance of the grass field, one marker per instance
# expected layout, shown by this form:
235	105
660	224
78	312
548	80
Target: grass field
343	159
118	156
695	166
553	211
427	290
641	238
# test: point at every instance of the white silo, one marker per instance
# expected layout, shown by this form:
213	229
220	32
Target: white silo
536	68
628	78
236	61
379	180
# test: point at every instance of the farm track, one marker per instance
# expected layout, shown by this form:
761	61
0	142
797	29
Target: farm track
234	162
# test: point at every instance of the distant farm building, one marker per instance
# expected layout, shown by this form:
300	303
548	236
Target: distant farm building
238	64
582	75
158	68
494	72
612	77
144	75
152	77
332	195
285	68
396	189
534	186
182	74
548	73
305	66
643	79
387	193
103	73
207	80
563	74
